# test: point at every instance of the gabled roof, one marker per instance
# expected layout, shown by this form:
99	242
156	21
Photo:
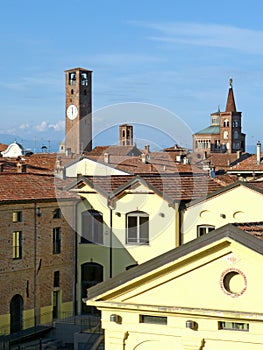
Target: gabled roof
175	187
227	232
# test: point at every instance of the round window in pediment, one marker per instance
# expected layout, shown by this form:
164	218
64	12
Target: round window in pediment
233	282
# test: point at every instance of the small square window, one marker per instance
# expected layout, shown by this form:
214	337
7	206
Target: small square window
17	216
57	213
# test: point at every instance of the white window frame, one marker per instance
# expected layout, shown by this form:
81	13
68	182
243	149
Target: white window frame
207	228
138	240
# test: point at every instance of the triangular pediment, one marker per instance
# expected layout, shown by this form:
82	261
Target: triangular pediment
219	275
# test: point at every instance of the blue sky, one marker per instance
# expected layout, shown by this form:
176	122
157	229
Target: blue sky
177	55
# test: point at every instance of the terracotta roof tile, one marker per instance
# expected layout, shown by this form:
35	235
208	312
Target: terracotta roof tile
249	163
115	150
23	187
221	161
3	147
253	228
157	162
175	187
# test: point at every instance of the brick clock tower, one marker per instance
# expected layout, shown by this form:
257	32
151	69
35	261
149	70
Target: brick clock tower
78	110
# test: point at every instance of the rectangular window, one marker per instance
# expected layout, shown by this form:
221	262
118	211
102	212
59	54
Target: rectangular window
17	216
204	229
56	279
234	326
153	319
92	227
17	245
137	228
56	240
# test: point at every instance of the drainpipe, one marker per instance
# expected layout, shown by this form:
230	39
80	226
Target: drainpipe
35	264
75	228
110	242
110	208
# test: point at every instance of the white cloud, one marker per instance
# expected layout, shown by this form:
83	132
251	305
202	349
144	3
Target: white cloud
59	126
210	35
42	126
45	126
24	126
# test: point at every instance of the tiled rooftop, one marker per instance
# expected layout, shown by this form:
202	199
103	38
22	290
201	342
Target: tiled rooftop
176	187
222	161
3	147
115	150
157	162
253	228
249	163
24	186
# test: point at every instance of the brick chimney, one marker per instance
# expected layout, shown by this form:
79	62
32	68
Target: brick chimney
258	152
147	149
21	168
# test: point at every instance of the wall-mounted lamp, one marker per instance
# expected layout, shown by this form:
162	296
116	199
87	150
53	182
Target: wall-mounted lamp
38	212
118	214
223	216
115	318
191	325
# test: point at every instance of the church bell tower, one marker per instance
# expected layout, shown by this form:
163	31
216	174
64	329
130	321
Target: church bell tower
78	110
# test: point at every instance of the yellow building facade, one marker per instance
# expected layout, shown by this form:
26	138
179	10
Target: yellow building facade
106	245
202	295
239	202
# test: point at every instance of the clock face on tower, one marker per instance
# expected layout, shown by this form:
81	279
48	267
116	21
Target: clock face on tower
72	112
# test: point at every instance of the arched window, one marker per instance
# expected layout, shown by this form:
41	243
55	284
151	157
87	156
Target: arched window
91	274
137	228
226	123
72	92
16	314
204	229
92	227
